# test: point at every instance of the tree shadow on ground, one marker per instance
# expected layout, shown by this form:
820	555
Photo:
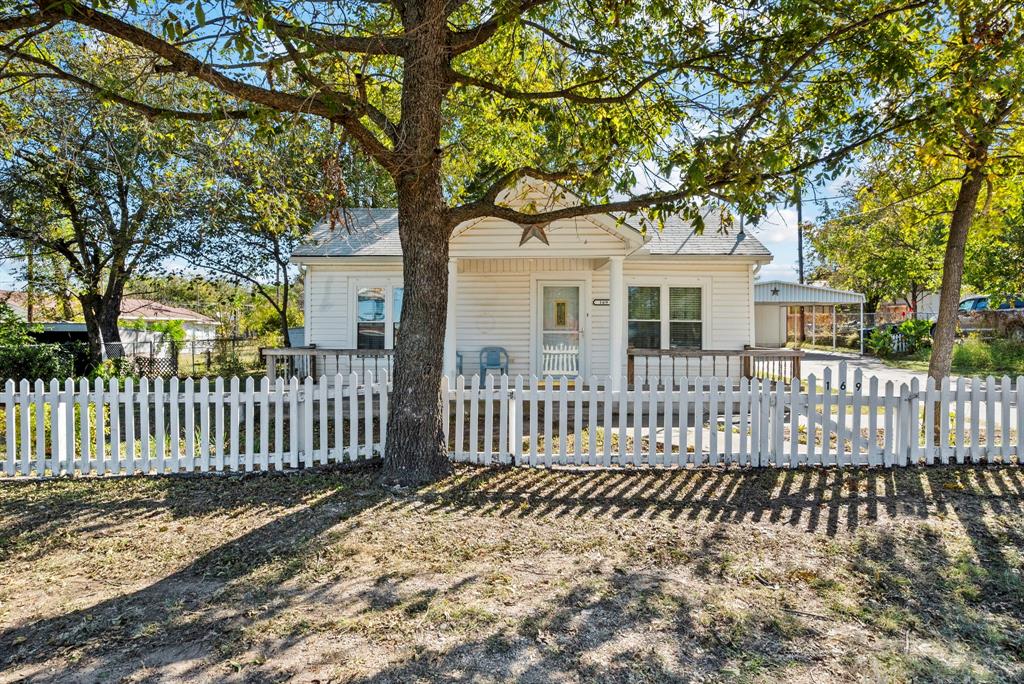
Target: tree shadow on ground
600	623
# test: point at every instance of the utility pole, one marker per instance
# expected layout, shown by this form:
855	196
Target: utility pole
30	276
800	251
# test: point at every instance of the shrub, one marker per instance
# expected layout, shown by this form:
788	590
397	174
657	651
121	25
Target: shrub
35	362
879	342
994	356
850	341
916	333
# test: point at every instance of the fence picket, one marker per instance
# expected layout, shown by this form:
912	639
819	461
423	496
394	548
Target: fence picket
961	420
264	396
841	414
190	432
744	420
353	416
279	424
233	414
976	391
533	420
713	421
873	403
652	426
10	411
249	402
890	421
794	424
930	398
638	424
812	419
517	411
1004	419
826	417
623	413
114	393
856	436
460	390
323	403
727	407
577	424
474	416
84	434
503	420
368	416
100	426
607	428
144	433
563	421
383	387
69	426
592	421
548	417
903	428
294	429
488	419
698	421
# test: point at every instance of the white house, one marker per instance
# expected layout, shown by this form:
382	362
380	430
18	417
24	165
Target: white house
569	301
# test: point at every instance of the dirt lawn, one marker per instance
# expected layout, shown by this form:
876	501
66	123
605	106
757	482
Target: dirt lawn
527	576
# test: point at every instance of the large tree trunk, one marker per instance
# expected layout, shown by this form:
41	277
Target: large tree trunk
953	263
416	450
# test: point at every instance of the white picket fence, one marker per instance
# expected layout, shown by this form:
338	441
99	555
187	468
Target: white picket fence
174	427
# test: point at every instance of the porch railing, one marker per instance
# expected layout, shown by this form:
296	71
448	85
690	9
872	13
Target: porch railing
665	367
315	361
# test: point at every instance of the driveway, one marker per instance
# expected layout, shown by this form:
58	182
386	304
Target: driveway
817	361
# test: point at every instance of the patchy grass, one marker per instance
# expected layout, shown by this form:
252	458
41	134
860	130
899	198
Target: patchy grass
517	575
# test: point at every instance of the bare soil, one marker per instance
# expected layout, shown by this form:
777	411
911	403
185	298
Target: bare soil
499	575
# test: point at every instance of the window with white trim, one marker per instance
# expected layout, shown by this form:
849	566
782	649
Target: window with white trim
664	317
378	315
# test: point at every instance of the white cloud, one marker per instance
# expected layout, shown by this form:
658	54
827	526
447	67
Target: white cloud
778	227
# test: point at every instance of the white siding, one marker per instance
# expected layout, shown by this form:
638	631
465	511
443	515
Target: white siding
571	238
328	291
771	325
497	307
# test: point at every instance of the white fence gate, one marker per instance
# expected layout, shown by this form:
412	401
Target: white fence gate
173	427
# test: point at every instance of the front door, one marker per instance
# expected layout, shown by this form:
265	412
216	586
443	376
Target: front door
561	333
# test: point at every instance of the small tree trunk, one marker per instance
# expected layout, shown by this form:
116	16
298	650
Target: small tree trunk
416	449
953	263
283	313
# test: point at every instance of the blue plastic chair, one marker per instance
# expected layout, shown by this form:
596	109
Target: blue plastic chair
493	358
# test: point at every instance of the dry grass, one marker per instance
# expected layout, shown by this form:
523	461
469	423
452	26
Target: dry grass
503	575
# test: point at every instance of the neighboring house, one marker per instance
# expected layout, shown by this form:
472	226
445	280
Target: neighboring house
197	326
570	306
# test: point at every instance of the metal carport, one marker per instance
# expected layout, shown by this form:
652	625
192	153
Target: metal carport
785	294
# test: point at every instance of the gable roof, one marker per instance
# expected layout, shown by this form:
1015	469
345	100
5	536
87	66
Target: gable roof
678	238
362	232
374	233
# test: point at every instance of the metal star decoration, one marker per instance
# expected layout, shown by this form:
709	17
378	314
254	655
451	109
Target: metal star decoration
534	231
775	292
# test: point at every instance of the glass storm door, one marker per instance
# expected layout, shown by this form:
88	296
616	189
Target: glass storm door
561	338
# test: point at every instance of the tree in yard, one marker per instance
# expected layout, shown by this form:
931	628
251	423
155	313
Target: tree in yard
91	192
886	237
457	100
263	195
966	80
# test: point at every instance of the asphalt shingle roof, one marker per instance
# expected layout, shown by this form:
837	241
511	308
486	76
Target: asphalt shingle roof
374	233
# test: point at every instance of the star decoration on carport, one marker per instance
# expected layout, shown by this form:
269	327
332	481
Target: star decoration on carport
535	230
775	292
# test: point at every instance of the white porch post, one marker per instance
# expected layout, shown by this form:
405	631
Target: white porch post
450	368
616	319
